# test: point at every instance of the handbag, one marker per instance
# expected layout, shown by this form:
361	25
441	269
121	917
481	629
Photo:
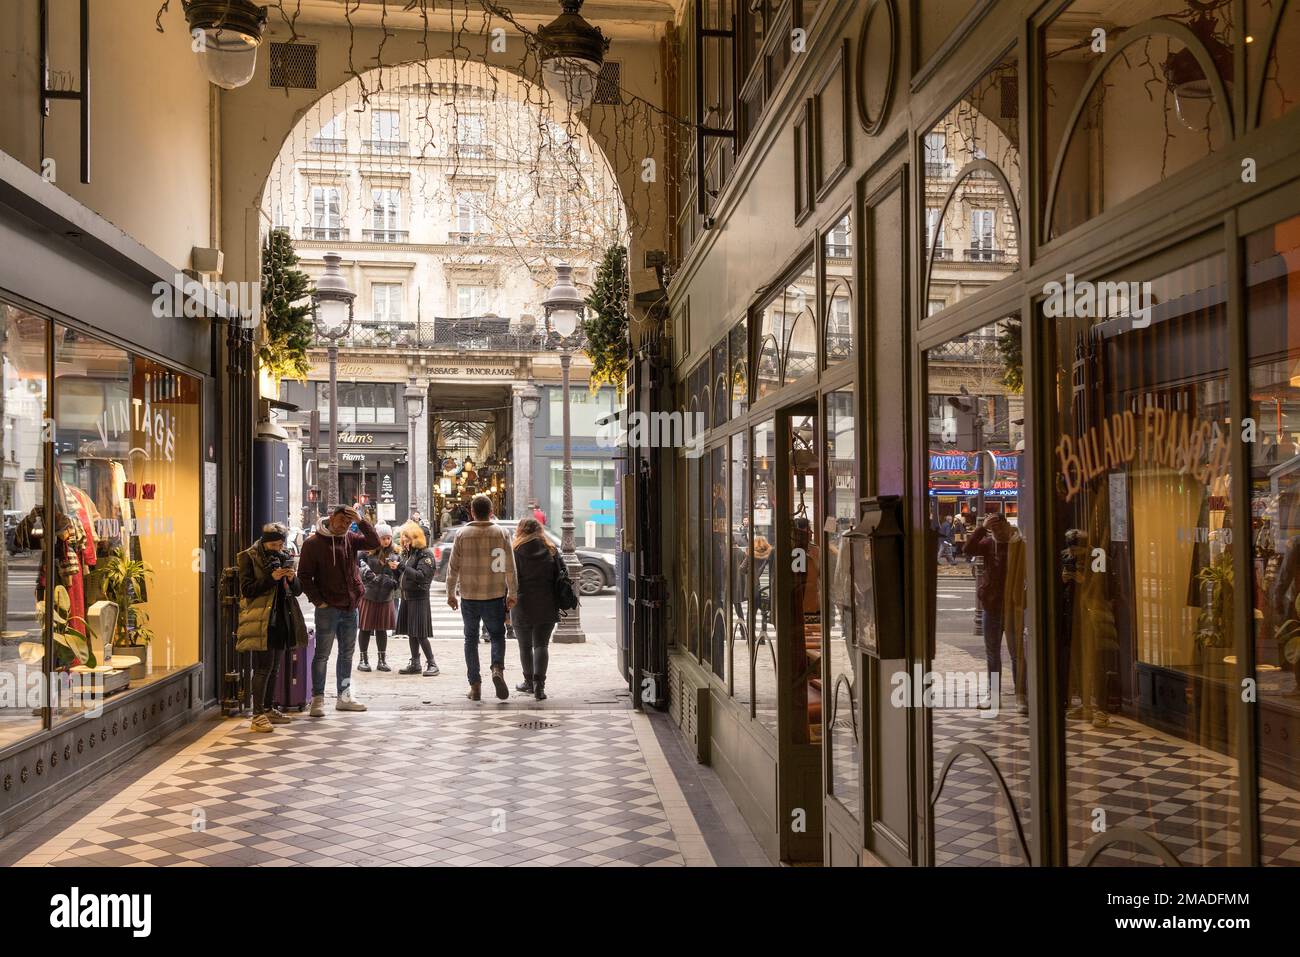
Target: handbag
566	597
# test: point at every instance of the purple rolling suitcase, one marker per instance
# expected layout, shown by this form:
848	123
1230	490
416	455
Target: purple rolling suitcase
293	683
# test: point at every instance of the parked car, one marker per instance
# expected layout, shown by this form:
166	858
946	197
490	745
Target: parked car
597	567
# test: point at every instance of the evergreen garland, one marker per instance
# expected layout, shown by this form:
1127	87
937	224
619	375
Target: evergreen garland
286	303
1011	350
606	324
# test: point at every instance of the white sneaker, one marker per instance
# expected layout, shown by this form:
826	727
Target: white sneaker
317	706
345	702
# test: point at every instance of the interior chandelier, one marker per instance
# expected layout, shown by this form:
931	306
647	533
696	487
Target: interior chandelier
572	52
226	35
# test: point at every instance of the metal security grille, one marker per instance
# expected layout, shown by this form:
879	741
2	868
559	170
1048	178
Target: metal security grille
607	92
293	66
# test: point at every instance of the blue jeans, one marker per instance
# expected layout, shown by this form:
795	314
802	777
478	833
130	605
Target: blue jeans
333	623
492	613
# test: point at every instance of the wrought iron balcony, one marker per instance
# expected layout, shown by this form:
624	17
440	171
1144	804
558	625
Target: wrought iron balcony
481	334
327	233
985	254
385	235
385	147
938	170
328	144
942	252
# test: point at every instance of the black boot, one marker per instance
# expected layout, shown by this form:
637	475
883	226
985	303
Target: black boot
412	669
365	662
383	663
539	688
525	686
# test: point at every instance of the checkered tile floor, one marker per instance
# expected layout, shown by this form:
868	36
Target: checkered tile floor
393	788
1182	794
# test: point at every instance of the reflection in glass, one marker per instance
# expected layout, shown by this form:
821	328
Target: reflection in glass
764	633
742	566
841	658
23	407
787	349
1281	91
977	675
1144	590
1273	326
721	384
838	247
695	598
739	369
971	228
806	596
719	548
1151	113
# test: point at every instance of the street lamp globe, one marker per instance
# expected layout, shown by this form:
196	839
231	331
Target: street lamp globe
572	52
414	396
332	300
225	35
563	303
530	401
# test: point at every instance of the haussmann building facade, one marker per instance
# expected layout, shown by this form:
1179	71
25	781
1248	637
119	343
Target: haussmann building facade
1031	259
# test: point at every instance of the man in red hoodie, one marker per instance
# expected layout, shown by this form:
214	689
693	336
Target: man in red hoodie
330	573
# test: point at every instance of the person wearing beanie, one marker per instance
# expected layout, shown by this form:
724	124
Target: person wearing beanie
270	619
378	603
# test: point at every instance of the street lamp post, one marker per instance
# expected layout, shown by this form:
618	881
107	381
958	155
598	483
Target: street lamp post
414	409
530	403
564	310
332	303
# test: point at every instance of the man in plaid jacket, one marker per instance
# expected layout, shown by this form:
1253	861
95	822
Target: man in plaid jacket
481	583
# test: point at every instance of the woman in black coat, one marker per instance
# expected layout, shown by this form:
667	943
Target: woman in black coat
378	605
415	617
537	566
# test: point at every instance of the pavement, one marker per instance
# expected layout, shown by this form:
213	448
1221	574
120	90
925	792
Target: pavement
424	777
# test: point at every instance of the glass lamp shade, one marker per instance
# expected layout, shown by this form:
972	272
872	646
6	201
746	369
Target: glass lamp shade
414	402
228	57
565	321
571	81
332	316
444	485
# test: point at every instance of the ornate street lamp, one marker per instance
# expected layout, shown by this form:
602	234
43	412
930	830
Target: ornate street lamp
572	52
564	310
414	409
226	35
332	303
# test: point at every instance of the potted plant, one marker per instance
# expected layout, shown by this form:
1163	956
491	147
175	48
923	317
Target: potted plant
1214	624
74	639
124	581
1288	643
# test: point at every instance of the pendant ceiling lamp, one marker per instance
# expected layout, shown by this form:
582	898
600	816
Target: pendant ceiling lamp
226	35
572	52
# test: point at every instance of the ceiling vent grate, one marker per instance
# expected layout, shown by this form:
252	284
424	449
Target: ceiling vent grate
293	66
607	84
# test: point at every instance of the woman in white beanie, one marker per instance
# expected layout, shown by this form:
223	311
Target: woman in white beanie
378	604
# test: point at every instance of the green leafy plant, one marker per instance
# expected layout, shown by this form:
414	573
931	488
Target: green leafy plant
1214	624
1288	640
74	639
124	581
1011	350
606	324
286	294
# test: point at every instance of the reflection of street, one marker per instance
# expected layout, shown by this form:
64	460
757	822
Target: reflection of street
16	718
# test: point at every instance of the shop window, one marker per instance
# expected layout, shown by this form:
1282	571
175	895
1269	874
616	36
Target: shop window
742	573
1273	326
721	384
1153	111
1279	90
763	635
593	485
843	687
24	405
690	534
976	681
703	533
972	187
1142	533
128	484
739	349
585	408
720	537
807	556
838	250
787	334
